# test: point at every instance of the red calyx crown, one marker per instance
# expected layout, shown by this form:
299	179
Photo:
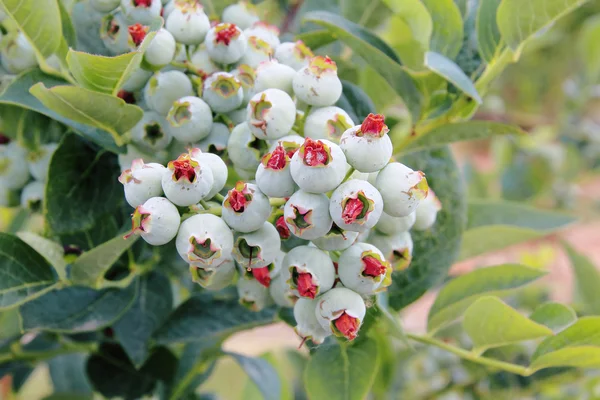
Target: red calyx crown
225	33
374	125
138	33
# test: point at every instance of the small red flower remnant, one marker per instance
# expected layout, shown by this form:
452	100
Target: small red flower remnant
373	266
277	160
138	33
305	284
139	221
184	167
373	126
262	275
352	209
347	325
225	33
142	3
239	197
315	153
282	228
320	65
127	96
4	139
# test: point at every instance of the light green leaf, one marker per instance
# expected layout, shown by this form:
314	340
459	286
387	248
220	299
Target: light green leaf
454	298
461	131
85	106
488	35
582	357
555	316
342	371
490	323
589	51
519	20
68	30
376	52
587	280
24	274
40	21
355	102
485	239
448	70
262	373
90	267
584	332
53	252
316	39
447	35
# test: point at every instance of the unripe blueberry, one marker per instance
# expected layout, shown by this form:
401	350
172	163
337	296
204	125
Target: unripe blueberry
319	166
161	49
280	291
188	23
246	75
217	167
258	51
335	239
137	34
32	196
401	189
327	123
137	80
244	174
253	295
256	249
105	6
389	225
142	182
273	174
307	215
272	74
168	7
142	11
204	240
39	161
367	147
164	88
226	43
318	84
223	92
6	198
185	181
290	143
216	141
271	114
238	116
341	311
156	221
294	54
214	278
244	148
202	63
364	269
14	173
307	325
311	271
133	153
149	134
356	205
397	249
114	33
245	208
189	119
426	213
264	275
264	31
17	54
242	13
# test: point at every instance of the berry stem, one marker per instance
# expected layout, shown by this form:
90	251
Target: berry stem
302	120
277	202
225	119
349	174
17	354
219	197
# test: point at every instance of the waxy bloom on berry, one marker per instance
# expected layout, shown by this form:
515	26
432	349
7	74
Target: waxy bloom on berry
364	269
397	248
367	147
280	291
164	88
273	75
296	55
14	173
223	92
341	311
141	11
307	326
307	215
217	166
327	123
318	83
335	239
246	208
319	166
389	225
161	50
257	52
113	32
273	175
214	278
150	134
156	221
257	249
426	213
356	205
401	188
253	295
187	22
189	119
204	240
271	114
141	182
105	6
311	271
265	32
244	148
186	181
39	161
243	14
226	43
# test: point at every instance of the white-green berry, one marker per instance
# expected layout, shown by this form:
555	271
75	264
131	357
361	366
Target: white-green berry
367	147
280	291
397	248
142	11
17	54
186	181
327	123
389	225
242	14
319	166
318	84
216	141
39	161
264	31
401	188
273	175
133	153
271	114
189	119
341	311
226	43
336	239
137	80
105	6
244	148
214	278
218	168
164	88
223	92
427	211
14	171
161	50
32	195
256	249
364	269
258	51
205	241
311	271
272	74
355	205
150	134
307	325
246	208
307	215
253	295
188	23
156	221
294	54
202	63
247	76
142	182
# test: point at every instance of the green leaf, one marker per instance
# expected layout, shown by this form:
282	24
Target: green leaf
582	357
342	371
589	51
51	251
77	309
490	323
485	239
461	131
152	305
24	274
447	35
355	102
82	187
68	374
262	373
40	21
584	332
519	20
17	94
90	267
448	70
68	30
488	34
454	298
376	52
436	249
555	316
316	39
587	280
195	366
204	317
85	106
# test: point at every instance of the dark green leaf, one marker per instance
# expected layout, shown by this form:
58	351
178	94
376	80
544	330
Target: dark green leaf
316	39
493	212
195	366
355	102
587	280
68	374
51	251
555	316
82	187
488	35
447	35
262	373
448	70
342	371
24	273
153	302
17	94
436	249
77	309
454	298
